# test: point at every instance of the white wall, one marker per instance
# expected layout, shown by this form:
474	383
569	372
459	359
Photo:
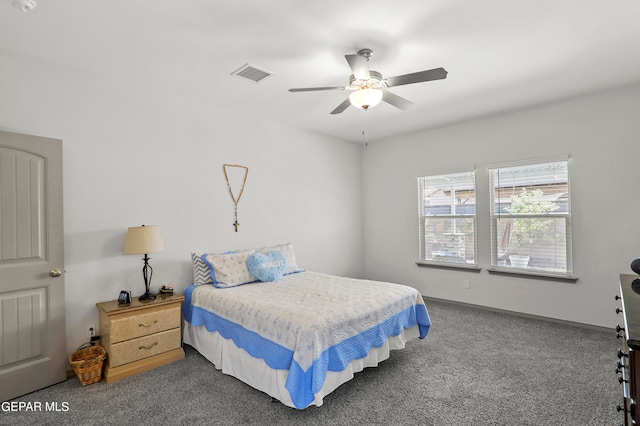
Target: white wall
601	133
133	158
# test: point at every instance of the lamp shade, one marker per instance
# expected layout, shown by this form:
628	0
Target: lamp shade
365	98
143	239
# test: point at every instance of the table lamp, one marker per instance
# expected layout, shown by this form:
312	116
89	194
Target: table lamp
144	240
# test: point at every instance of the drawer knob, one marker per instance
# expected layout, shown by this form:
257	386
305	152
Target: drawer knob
621	380
619	329
155	343
622	354
618	310
147	324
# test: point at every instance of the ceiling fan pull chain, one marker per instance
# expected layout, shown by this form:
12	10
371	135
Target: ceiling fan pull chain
364	127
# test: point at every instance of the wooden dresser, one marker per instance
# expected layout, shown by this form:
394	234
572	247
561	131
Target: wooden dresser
628	364
140	336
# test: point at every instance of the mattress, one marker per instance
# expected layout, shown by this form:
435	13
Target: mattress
306	333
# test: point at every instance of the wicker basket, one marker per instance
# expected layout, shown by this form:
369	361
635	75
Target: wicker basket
87	363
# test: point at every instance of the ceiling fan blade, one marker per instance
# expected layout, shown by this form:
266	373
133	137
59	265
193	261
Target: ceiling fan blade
314	89
359	66
344	105
417	77
396	101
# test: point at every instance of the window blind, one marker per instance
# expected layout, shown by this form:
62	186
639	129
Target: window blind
531	217
447	218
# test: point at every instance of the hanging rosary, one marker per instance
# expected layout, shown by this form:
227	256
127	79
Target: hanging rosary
235	199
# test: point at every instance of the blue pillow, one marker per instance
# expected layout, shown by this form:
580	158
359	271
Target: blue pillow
267	267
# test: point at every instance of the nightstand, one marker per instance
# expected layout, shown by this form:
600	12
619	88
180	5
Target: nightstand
140	336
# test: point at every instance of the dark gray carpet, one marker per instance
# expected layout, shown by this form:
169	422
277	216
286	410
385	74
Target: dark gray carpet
476	367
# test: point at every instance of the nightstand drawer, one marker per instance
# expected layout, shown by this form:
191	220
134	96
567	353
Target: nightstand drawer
144	347
131	325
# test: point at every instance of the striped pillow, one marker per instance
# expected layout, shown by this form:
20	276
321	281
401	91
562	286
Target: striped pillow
201	274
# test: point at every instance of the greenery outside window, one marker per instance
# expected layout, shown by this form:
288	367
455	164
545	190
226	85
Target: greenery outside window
447	217
531	218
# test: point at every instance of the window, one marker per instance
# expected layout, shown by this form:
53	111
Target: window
531	218
447	214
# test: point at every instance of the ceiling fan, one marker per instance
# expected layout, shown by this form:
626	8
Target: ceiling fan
369	87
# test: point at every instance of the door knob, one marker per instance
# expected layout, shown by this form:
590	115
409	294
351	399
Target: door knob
55	272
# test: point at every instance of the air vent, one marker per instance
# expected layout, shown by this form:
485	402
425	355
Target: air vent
251	73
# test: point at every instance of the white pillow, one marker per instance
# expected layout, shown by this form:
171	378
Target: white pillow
229	269
289	254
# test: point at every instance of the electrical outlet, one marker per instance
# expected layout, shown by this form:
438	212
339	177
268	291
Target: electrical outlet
466	283
91	331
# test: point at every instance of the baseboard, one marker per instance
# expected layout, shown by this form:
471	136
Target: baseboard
520	314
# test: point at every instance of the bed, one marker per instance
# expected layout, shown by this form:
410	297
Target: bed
300	335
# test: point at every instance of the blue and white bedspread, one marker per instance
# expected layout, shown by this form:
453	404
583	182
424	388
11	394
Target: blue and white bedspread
308	323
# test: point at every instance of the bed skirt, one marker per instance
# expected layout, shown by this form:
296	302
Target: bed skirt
236	362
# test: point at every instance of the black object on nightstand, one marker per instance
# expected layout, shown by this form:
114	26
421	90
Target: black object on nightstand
166	290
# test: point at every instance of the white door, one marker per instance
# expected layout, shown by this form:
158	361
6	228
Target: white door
32	326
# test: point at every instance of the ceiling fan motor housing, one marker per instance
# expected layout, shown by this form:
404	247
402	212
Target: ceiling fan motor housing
374	81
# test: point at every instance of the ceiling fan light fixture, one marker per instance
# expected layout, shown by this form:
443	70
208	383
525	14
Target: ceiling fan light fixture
24	5
365	98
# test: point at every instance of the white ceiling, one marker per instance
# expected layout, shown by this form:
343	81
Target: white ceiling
500	54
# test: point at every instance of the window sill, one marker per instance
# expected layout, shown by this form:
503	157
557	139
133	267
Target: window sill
447	265
524	273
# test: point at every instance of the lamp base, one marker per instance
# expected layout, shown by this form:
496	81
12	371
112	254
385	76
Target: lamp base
147	296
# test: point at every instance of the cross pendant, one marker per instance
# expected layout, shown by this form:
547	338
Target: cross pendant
236	224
